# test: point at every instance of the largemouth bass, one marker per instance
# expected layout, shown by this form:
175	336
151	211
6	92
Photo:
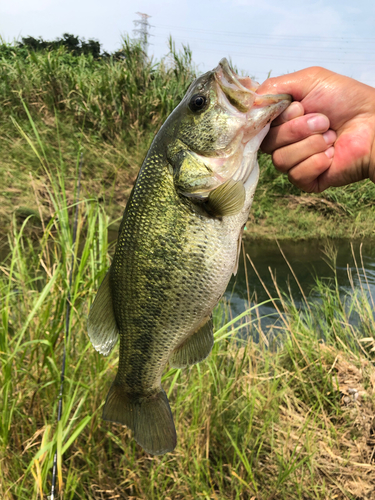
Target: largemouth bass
178	246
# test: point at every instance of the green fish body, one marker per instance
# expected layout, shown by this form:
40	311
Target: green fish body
178	246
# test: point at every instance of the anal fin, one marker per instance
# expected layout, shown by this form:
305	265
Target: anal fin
196	348
102	327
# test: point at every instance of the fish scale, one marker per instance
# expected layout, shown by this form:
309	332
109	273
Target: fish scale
178	246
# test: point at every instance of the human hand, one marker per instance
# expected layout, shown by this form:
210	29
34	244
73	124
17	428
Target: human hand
327	136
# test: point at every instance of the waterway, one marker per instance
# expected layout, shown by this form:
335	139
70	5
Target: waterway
309	261
305	261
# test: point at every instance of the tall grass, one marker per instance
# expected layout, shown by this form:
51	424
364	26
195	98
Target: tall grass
252	422
112	106
113	95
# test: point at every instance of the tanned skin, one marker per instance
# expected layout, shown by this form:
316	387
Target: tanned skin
327	135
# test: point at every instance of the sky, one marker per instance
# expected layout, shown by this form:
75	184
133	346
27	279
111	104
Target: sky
263	36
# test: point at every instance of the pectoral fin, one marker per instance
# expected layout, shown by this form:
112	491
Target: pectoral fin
102	327
227	199
196	348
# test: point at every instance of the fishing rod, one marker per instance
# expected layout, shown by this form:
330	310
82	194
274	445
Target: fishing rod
67	328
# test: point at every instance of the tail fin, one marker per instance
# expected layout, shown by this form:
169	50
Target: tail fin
149	417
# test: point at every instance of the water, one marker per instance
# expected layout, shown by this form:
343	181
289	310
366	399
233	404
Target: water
308	261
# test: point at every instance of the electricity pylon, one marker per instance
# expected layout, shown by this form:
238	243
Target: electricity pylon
142	31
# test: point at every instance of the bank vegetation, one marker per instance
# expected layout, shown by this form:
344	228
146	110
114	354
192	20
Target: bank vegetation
110	106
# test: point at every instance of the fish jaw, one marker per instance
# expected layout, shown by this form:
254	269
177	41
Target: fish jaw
234	163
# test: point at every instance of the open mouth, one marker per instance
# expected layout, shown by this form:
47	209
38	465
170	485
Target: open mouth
241	91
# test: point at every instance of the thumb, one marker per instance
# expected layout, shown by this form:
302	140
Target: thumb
297	84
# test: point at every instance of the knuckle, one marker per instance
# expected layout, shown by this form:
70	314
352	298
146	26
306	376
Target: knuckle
317	143
296	131
317	72
319	162
304	174
295	176
279	160
295	180
317	69
271	81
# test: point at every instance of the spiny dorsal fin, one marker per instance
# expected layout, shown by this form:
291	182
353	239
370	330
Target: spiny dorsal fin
101	325
227	199
196	348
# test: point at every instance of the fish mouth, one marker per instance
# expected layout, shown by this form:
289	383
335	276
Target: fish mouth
238	96
241	92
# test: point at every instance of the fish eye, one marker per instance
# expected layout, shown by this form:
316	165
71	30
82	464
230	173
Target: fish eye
197	102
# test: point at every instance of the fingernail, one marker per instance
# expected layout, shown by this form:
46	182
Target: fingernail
330	152
329	136
318	123
292	111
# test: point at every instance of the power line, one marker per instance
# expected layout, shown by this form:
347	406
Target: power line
288	58
264	35
269	46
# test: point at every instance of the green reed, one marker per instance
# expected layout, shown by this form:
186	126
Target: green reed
111	95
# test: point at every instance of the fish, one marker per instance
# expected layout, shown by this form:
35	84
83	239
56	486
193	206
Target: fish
178	245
